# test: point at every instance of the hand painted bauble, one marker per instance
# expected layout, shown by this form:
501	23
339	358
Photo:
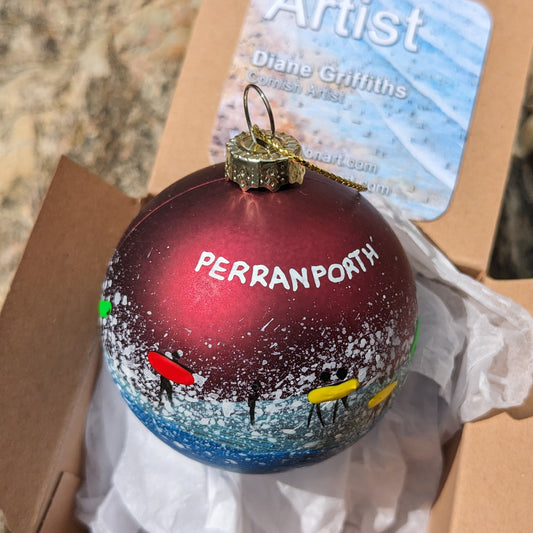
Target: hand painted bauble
258	331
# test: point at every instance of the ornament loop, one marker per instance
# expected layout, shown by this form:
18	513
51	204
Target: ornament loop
247	112
267	162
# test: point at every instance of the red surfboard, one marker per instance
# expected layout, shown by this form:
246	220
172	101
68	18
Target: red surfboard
170	369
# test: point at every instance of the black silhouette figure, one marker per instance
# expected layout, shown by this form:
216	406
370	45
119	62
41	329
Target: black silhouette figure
374	412
254	396
166	384
325	377
341	374
377	410
380	407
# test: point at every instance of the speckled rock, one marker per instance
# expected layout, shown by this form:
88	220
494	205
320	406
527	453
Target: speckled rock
3	524
92	80
513	247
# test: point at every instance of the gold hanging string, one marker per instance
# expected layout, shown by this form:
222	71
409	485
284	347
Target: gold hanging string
274	144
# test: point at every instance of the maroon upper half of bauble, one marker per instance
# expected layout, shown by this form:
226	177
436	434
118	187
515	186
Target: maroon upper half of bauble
276	289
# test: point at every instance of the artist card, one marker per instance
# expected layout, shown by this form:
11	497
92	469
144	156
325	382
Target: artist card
378	91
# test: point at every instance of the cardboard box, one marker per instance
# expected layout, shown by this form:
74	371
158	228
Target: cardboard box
50	341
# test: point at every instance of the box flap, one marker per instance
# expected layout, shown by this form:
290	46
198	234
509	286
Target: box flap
57	517
494	475
184	145
49	332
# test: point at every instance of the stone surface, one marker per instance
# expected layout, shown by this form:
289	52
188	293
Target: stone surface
513	247
3	524
92	80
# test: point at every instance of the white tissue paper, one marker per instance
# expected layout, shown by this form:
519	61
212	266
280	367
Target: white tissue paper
474	354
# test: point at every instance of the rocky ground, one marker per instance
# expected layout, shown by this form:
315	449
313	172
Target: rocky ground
92	80
513	248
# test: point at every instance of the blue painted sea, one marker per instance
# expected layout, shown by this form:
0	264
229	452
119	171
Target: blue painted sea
285	434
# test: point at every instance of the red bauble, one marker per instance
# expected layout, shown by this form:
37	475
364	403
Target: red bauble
286	319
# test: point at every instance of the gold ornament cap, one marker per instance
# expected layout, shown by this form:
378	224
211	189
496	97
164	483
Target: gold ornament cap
262	158
253	164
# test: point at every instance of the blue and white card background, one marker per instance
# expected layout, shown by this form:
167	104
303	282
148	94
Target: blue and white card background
403	136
